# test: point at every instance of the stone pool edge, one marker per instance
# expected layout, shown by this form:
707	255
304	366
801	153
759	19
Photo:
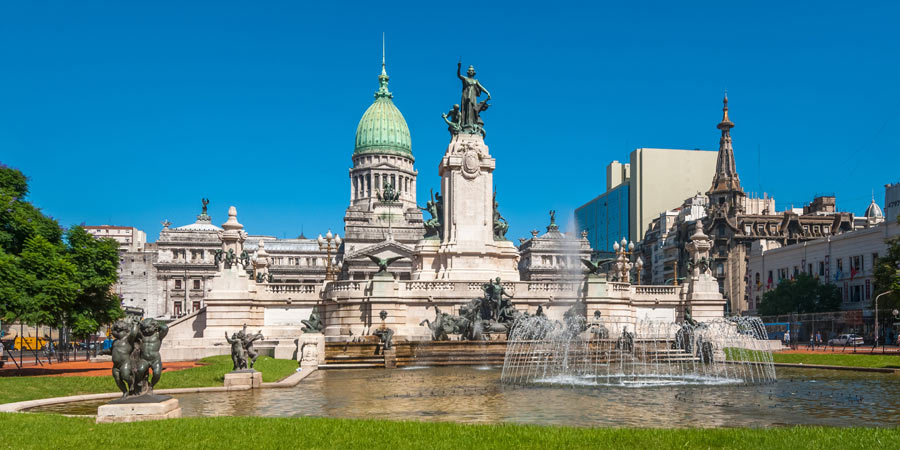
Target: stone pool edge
289	381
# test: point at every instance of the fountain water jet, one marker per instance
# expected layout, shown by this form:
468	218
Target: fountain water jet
621	352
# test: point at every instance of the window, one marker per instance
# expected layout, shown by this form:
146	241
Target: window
822	268
840	264
177	284
196	305
809	266
855	293
177	309
720	269
196	284
855	263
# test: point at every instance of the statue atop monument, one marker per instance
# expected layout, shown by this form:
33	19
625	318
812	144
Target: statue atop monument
470	108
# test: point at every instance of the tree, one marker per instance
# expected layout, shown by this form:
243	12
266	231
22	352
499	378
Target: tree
47	277
887	275
803	294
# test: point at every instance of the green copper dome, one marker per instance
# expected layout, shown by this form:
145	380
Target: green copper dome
383	129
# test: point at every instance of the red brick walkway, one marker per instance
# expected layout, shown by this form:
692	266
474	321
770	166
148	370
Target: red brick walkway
78	368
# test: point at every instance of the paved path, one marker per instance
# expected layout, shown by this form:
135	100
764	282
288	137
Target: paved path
79	368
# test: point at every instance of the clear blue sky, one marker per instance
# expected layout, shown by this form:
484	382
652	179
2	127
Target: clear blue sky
128	114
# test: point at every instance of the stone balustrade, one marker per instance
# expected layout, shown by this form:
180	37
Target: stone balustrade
656	290
291	288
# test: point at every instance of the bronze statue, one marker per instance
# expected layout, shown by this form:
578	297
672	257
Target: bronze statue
595	267
469	105
219	256
126	334
244	258
247	342
389	195
238	355
552	217
314	324
135	353
205	202
435	207
384	333
452	119
384	263
500	223
493	299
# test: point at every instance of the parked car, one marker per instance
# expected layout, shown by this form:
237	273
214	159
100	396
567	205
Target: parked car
846	339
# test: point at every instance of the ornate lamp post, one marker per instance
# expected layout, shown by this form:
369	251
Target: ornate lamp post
639	265
329	243
623	264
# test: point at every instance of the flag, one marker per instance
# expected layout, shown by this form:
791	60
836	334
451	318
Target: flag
837	275
769	283
853	273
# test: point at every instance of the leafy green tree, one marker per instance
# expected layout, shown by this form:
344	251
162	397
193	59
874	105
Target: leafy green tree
887	275
47	277
803	294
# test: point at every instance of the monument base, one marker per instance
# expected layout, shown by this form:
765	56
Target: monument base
136	409
452	261
390	358
243	379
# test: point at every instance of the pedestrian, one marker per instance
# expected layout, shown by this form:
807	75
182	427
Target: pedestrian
787	338
812	342
818	338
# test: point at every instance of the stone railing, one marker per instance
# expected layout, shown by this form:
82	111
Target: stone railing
550	286
620	287
291	288
427	286
656	290
343	286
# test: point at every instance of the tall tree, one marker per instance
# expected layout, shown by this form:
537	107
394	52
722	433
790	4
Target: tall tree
46	277
803	294
887	275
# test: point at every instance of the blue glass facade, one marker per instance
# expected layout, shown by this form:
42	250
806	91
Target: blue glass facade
605	218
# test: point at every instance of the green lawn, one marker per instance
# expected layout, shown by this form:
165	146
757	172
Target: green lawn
823	359
21	431
839	359
212	373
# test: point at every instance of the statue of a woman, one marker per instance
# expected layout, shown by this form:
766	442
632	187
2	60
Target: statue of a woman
469	107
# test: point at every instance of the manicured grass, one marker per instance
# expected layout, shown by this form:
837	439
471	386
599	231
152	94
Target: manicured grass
211	373
822	359
839	359
21	431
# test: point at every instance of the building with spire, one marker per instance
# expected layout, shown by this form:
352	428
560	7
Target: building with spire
382	218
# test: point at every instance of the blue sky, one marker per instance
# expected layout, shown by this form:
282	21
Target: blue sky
125	113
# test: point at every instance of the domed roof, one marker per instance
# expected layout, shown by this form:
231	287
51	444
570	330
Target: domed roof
383	129
874	211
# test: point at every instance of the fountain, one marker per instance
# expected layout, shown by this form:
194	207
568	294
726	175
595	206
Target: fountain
617	352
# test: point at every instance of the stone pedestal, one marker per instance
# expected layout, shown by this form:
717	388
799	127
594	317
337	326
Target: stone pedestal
383	285
136	409
312	350
467	250
243	379
390	358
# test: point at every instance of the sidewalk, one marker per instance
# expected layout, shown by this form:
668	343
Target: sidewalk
79	368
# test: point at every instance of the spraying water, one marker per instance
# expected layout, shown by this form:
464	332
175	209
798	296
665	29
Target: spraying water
622	352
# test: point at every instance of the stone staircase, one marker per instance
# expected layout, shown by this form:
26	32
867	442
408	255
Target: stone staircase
359	355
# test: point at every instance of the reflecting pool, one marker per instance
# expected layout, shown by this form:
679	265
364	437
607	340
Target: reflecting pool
475	395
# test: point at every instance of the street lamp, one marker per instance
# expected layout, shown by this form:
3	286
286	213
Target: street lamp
329	243
639	264
876	319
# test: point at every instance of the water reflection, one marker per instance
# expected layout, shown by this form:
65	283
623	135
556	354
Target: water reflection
475	395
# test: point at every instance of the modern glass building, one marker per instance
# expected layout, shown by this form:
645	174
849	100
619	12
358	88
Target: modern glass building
605	218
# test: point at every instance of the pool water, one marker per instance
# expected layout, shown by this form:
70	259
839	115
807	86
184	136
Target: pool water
475	395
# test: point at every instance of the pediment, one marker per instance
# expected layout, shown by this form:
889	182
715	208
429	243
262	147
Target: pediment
386	249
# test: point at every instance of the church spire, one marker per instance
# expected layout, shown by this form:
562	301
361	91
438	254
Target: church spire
383	91
726	178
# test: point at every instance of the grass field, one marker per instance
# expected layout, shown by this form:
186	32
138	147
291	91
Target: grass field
823	359
839	359
211	373
21	431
